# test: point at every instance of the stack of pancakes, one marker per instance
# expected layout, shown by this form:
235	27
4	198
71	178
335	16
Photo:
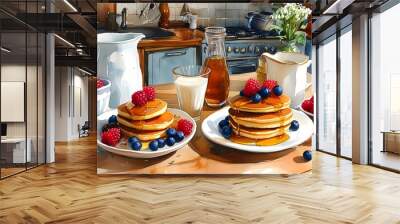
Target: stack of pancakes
253	123
146	122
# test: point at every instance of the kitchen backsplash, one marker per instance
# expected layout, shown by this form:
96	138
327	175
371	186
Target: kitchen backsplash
209	14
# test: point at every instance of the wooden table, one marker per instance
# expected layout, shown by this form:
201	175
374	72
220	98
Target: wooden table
201	156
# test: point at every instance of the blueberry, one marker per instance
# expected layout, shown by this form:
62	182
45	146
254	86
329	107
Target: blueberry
112	119
153	145
222	124
161	143
227	118
256	98
307	155
264	92
294	126
136	146
278	90
226	132
179	136
171	132
170	141
133	139
241	93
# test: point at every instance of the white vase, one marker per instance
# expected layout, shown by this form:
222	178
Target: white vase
118	61
290	71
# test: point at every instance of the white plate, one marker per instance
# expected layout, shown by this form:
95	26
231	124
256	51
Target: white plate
103	119
306	112
209	128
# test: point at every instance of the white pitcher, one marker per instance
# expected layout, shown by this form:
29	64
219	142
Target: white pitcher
290	71
118	61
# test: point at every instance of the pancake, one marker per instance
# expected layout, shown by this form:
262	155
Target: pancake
152	109
262	120
157	123
260	142
256	133
141	134
269	104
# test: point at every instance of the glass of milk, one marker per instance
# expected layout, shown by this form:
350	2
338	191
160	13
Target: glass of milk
191	85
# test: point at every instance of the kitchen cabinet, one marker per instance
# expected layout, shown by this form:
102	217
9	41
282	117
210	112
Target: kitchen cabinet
161	63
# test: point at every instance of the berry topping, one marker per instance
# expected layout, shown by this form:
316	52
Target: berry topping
308	105
139	98
107	127
256	98
136	145
99	83
270	84
171	132
161	143
278	90
111	137
153	145
252	87
227	118
264	92
185	126
294	126
112	119
226	132
241	93
133	139
150	93
170	141
307	155
179	136
222	124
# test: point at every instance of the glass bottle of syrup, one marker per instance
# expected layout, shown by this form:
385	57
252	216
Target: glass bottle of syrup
218	79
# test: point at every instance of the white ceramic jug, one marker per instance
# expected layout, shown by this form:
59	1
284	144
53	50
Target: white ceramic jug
290	71
118	61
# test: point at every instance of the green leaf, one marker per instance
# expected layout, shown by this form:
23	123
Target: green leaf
300	37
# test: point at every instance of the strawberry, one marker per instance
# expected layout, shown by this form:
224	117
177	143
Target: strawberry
111	137
252	87
185	126
99	83
270	84
139	98
150	92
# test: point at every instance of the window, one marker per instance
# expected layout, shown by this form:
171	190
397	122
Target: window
385	89
326	92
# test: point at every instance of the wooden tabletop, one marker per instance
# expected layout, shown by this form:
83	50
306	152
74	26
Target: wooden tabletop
201	156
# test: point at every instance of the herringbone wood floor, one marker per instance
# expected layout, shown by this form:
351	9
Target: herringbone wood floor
69	191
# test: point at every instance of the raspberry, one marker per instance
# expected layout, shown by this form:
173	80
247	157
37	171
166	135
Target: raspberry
107	127
111	137
252	87
150	92
99	83
308	105
139	98
185	126
270	84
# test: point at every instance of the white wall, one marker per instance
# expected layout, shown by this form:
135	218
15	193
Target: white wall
70	83
209	13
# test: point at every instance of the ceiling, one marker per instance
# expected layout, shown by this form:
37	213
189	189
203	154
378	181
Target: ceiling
74	22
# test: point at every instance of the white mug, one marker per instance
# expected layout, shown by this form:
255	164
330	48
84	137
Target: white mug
290	71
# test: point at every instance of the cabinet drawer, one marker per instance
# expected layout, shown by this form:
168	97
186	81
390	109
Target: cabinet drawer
161	63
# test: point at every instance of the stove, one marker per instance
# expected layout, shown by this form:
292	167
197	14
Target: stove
243	47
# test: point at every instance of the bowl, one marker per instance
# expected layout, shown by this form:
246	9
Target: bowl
103	97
